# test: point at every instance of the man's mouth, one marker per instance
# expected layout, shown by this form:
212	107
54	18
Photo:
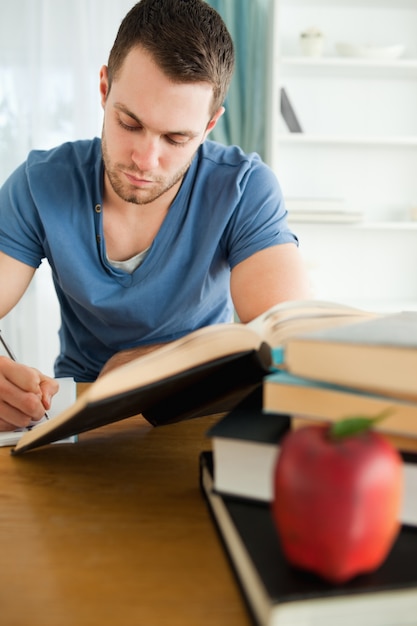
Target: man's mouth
137	180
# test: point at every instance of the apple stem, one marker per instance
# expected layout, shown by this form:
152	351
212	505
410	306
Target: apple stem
351	426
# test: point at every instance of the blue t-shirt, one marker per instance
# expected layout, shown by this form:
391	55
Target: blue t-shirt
229	206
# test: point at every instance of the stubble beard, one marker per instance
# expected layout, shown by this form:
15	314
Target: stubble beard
138	196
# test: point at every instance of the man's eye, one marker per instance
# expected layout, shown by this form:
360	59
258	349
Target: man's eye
177	140
132	126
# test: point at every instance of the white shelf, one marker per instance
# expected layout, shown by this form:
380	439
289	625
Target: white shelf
335	140
383	306
391	226
395	4
328	65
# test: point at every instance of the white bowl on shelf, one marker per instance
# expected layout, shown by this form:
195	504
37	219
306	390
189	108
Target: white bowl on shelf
370	52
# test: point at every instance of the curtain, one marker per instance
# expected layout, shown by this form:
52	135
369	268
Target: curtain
51	52
244	122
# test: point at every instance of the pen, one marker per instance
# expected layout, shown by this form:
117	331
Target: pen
10	353
7	347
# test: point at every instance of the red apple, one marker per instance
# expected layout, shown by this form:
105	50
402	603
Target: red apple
337	501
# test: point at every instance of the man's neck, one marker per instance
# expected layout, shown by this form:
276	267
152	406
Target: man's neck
130	228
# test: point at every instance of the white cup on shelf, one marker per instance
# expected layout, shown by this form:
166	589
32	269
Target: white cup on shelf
312	42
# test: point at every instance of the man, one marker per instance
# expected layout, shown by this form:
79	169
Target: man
153	231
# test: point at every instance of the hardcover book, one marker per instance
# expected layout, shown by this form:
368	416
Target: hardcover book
279	595
378	354
295	395
245	446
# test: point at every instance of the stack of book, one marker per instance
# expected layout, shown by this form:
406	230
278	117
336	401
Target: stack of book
361	368
246	445
375	355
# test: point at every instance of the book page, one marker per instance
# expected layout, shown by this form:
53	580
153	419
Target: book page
297	317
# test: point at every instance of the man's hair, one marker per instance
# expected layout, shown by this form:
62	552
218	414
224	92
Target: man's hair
187	39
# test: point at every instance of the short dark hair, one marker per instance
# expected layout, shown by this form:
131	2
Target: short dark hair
187	39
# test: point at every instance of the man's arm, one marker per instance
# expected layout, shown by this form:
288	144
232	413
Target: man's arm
25	393
15	277
267	278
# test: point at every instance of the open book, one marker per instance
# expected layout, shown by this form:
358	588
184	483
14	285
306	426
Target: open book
208	371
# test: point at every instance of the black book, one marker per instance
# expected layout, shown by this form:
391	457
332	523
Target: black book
288	113
245	445
278	594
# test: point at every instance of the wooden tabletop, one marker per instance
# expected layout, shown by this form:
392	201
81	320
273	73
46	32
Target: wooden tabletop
113	530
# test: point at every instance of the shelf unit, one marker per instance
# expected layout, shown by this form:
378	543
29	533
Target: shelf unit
358	145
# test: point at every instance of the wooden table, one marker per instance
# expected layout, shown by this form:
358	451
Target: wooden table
113	530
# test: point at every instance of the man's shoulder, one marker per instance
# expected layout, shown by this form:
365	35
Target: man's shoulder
230	165
69	169
221	154
71	153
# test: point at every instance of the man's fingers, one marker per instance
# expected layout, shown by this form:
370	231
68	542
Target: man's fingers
7	426
26	378
25	393
11	418
49	387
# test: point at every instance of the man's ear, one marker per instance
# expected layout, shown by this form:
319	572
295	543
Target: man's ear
212	123
104	85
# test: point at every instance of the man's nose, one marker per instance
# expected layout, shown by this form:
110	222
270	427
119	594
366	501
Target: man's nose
145	153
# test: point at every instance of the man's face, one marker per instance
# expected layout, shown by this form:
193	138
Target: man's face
152	129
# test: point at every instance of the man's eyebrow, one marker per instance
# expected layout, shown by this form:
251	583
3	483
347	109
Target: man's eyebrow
183	133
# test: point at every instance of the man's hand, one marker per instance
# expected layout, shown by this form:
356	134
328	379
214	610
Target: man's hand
25	394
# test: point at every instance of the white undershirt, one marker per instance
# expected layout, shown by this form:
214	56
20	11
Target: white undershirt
131	264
